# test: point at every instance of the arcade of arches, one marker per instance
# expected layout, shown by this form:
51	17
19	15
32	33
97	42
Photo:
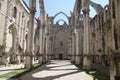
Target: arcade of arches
83	40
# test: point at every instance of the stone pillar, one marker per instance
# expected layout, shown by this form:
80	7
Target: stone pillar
81	44
70	48
50	48
73	47
47	47
3	47
41	31
115	48
77	61
86	52
29	50
41	43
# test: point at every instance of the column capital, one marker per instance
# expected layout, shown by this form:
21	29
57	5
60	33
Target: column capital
85	11
33	10
29	54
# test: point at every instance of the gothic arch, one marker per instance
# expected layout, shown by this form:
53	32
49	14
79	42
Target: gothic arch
61	20
13	31
98	8
59	14
13	49
106	7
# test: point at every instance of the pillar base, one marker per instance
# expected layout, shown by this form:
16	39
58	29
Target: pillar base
29	61
3	61
47	57
86	62
73	58
86	67
115	64
13	59
77	61
40	59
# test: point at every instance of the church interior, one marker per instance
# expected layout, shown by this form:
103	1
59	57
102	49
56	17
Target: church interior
93	42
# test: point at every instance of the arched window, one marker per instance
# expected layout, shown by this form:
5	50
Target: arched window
14	12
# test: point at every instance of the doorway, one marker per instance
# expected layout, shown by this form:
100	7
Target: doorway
60	56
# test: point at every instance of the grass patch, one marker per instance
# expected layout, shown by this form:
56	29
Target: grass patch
98	75
13	73
18	73
36	65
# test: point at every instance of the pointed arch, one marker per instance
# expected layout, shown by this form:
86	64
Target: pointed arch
61	20
62	14
13	31
12	27
97	7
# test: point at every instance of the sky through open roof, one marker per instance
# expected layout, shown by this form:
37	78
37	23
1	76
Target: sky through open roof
53	7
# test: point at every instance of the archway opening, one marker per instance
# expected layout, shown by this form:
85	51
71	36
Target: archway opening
13	49
92	12
61	22
61	16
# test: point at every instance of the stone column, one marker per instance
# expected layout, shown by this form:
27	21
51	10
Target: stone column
70	48
77	61
41	37
115	50
41	49
47	46
81	43
73	47
50	47
86	53
3	47
43	44
29	50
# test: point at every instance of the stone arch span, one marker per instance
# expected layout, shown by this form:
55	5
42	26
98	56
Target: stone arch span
59	14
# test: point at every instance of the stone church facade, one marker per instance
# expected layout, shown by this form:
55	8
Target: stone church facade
93	42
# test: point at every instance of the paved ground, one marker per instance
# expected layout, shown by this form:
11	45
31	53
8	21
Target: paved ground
57	70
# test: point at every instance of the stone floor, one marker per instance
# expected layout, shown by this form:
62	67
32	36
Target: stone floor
57	70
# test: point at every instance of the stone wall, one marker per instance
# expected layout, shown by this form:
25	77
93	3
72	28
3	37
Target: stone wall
14	17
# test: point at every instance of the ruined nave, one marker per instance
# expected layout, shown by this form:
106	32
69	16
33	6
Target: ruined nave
92	42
